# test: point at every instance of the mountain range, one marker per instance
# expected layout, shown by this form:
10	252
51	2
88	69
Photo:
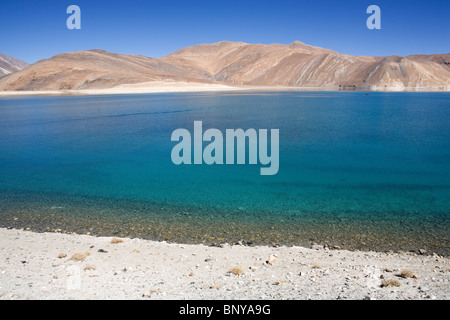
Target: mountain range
235	64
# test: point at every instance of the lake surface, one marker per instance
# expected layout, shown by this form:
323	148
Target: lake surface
357	170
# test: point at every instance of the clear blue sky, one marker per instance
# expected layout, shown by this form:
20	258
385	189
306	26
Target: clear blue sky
31	30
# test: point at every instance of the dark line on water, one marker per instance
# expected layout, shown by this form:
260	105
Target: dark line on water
118	116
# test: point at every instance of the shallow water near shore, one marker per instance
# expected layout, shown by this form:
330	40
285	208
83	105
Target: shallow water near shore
357	170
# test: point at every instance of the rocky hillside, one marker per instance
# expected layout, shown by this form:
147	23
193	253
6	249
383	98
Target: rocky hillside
236	63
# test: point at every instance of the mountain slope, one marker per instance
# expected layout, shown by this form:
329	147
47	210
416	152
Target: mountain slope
9	64
301	65
238	62
95	69
402	72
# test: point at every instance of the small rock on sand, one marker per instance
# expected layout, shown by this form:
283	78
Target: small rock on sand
271	260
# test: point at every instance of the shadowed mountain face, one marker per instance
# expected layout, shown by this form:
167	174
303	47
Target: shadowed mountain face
10	64
235	63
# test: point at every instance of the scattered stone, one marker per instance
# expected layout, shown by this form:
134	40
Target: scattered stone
191	274
102	251
271	260
152	291
422	251
62	255
215	286
316	247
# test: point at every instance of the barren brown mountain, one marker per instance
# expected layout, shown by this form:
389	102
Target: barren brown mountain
9	64
236	63
95	69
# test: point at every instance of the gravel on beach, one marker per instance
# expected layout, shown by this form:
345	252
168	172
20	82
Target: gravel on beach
71	266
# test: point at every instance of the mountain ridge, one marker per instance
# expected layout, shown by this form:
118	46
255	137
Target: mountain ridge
235	63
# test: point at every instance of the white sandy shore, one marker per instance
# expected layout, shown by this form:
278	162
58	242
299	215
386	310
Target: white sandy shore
178	86
34	266
150	87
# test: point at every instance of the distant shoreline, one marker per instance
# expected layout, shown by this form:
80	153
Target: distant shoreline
182	87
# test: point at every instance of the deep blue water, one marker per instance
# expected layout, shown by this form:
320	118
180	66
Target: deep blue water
343	155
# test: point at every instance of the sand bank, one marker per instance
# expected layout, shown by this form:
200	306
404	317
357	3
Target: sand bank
139	88
69	266
179	86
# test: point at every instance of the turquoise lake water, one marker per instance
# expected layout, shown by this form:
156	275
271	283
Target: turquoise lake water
363	171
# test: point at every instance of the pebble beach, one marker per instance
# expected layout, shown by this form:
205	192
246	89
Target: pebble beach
82	267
